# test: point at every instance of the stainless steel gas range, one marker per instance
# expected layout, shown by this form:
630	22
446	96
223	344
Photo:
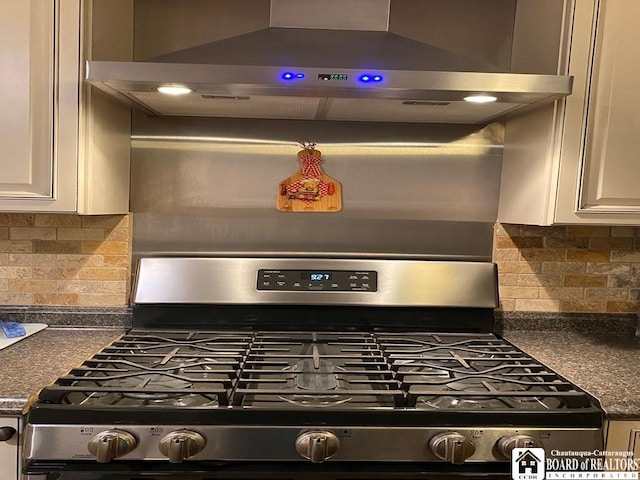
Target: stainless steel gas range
315	368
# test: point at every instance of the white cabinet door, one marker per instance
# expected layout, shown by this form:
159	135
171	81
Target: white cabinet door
624	436
9	451
39	57
578	161
611	164
64	148
27	38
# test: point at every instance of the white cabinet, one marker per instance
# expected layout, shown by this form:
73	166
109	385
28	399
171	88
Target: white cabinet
624	436
578	161
9	449
65	148
26	46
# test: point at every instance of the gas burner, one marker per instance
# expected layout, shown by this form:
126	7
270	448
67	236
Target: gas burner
160	381
315	375
319	400
321	376
501	399
97	399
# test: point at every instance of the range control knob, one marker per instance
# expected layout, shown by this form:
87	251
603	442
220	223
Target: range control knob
317	446
111	444
452	446
181	444
6	433
507	443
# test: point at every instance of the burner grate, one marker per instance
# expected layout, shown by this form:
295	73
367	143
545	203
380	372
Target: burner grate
459	371
168	368
312	369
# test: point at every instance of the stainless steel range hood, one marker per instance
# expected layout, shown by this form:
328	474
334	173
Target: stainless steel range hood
358	72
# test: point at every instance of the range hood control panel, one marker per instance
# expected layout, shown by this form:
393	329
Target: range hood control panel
318	280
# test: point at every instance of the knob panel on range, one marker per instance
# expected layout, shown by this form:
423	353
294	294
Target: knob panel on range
452	447
317	446
182	444
507	443
111	444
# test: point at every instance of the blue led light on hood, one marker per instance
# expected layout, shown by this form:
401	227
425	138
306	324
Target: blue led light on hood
370	77
292	76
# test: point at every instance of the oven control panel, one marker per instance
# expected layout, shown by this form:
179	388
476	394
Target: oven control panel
318	280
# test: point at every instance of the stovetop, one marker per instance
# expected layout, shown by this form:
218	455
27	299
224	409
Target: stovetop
338	370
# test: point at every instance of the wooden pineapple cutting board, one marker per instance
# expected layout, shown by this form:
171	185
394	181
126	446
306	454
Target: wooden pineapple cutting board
309	189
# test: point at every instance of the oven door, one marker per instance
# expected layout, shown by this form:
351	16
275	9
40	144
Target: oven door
265	470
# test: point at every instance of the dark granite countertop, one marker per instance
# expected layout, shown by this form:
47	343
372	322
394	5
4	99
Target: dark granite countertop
38	360
605	365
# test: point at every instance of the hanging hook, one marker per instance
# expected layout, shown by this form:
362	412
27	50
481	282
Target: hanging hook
307	145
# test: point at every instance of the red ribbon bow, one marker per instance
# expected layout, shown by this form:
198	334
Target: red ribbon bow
311	164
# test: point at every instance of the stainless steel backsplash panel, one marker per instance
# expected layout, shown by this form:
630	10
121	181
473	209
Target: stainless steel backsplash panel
207	186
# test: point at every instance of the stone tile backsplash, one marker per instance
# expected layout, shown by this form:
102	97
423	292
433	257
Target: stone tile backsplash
56	259
568	269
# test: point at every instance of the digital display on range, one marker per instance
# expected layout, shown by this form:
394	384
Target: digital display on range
316	276
318	280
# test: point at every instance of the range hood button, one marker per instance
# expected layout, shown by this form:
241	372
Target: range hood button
111	444
181	444
452	447
317	446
